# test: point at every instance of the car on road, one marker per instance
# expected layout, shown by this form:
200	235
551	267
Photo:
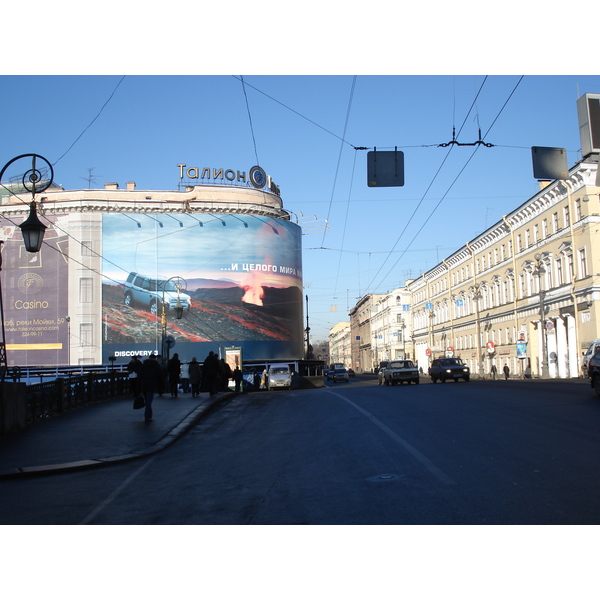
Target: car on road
339	375
150	292
351	372
593	369
399	371
448	368
280	377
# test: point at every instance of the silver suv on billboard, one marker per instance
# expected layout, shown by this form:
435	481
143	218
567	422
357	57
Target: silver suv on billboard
150	292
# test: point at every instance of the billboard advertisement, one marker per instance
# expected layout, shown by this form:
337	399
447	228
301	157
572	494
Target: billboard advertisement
237	279
35	298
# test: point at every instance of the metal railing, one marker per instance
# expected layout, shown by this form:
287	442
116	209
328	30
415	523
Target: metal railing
50	398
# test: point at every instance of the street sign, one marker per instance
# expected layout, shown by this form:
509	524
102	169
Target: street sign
385	169
169	341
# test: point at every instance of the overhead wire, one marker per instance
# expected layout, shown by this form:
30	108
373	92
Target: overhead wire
448	189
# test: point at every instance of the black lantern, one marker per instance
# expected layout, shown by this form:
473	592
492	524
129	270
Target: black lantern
178	309
33	231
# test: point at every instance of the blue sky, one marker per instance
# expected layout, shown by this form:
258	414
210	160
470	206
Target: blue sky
303	130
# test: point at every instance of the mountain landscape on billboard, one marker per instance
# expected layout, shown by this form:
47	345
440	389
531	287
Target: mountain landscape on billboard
216	314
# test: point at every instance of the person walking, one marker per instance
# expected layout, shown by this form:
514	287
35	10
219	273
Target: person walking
210	372
494	371
185	377
174	371
133	368
150	376
506	372
237	378
225	375
195	374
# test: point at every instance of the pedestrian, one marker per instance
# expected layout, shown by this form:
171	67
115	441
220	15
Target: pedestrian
237	378
494	371
506	372
185	378
133	368
195	374
173	371
150	379
210	372
225	375
263	379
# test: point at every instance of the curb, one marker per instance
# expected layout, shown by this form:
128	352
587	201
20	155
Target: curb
167	440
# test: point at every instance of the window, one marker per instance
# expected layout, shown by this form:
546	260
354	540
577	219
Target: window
527	239
578	209
519	243
536	233
567	216
86	290
559	272
545	228
86	249
583	272
555	226
86	334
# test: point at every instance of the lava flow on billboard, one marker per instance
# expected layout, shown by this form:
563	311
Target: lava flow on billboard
238	277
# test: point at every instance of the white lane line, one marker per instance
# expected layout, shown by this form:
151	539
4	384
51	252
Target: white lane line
408	447
110	498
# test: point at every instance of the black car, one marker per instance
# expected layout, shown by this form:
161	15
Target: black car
594	372
448	368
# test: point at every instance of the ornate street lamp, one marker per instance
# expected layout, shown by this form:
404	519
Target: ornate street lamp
539	271
178	308
35	179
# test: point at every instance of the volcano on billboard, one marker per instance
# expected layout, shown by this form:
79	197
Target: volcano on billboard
237	277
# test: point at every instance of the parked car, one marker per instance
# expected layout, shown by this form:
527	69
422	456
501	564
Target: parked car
594	372
448	368
149	292
399	371
339	375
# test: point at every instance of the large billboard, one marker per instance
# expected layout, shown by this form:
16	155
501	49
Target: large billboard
237	277
35	298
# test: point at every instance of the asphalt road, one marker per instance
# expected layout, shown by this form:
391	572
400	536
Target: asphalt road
490	452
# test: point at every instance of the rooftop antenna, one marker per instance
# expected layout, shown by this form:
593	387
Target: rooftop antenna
90	178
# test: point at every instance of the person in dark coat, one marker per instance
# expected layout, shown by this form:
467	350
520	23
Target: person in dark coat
506	371
211	371
237	378
150	376
225	375
174	371
195	375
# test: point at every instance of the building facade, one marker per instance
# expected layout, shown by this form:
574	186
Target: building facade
116	262
340	350
522	293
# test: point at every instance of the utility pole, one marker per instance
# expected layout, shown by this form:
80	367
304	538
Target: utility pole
307	332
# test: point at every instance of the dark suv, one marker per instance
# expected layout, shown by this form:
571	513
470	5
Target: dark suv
594	372
448	368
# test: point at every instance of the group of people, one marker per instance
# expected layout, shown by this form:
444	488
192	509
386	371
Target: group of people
149	377
505	370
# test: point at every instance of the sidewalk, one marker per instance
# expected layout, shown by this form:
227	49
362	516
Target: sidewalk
105	433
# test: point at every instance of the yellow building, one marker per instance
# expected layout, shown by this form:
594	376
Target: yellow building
523	292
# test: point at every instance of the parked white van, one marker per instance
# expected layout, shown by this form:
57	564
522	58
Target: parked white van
279	376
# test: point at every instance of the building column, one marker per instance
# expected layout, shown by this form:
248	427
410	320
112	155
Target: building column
562	348
572	356
551	349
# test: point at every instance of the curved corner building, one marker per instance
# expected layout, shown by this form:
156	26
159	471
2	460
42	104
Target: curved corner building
117	263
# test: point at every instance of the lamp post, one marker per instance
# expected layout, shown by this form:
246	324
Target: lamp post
35	179
402	328
178	308
539	271
477	297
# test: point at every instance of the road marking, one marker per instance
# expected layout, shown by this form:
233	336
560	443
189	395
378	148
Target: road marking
110	498
408	447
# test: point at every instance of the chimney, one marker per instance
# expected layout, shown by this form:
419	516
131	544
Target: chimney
111	186
544	183
130	186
